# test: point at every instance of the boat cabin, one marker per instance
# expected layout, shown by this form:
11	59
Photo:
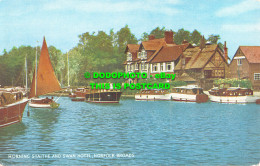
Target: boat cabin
233	91
192	89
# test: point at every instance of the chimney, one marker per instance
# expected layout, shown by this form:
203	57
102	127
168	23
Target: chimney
225	51
202	43
168	35
151	37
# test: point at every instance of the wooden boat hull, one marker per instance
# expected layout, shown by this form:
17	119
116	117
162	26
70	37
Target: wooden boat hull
104	97
12	113
233	99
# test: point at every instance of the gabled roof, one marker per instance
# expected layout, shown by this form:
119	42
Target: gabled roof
203	57
199	58
132	48
167	54
252	53
153	44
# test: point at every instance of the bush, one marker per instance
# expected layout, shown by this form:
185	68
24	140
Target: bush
234	82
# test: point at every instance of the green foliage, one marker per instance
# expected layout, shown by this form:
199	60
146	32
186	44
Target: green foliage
95	52
178	83
124	37
182	35
213	38
195	37
158	33
144	37
234	82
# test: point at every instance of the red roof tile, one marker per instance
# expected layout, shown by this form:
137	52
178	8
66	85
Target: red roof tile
153	44
132	48
167	54
252	53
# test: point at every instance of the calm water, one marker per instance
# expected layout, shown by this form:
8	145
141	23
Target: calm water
142	132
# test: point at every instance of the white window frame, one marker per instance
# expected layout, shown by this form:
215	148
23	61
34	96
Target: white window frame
131	67
167	64
136	66
143	66
129	56
239	62
257	76
161	67
155	66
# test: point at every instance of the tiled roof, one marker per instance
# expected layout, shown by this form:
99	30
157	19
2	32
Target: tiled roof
132	47
167	54
252	53
153	44
203	57
199	57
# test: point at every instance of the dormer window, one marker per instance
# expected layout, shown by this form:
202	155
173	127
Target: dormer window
129	56
142	54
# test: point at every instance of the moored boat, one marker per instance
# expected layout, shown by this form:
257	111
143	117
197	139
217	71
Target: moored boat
44	81
79	94
152	94
232	95
189	93
12	105
103	95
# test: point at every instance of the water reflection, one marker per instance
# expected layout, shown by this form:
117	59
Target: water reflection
156	132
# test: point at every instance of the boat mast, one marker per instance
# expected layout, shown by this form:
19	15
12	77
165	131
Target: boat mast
26	84
36	70
68	70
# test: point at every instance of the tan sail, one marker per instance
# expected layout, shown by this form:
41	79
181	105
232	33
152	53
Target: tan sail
46	79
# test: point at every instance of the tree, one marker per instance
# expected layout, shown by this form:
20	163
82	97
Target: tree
195	37
213	38
144	37
182	35
158	33
124	37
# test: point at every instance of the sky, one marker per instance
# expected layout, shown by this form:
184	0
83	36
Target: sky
24	22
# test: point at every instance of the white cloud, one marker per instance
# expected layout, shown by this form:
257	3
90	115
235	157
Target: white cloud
155	6
242	7
242	27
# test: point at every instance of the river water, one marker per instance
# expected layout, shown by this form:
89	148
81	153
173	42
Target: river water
134	133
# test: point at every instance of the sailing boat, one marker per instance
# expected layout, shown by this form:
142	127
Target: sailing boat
44	81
